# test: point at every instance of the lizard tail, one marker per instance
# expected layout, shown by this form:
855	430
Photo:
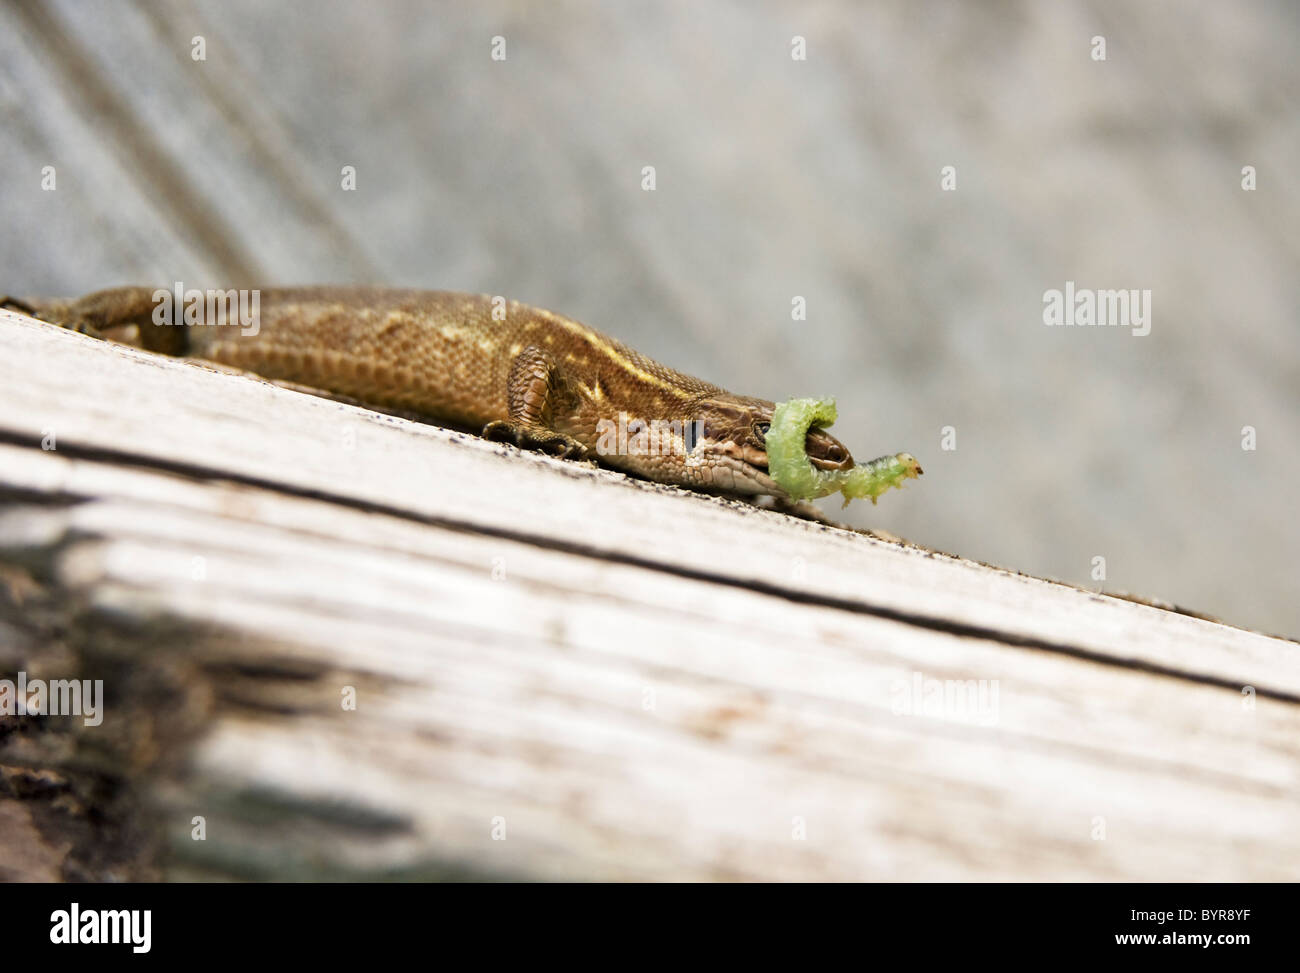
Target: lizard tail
112	310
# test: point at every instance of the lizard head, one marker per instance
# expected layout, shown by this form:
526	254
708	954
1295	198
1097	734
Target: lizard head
730	449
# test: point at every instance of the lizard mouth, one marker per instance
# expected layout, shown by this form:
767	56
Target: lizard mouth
739	469
735	461
743	476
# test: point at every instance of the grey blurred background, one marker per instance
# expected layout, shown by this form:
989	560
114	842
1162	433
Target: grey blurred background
776	178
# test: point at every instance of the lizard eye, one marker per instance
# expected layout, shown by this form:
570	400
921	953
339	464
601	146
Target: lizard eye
760	430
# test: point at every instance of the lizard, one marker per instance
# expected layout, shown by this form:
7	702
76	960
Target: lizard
516	373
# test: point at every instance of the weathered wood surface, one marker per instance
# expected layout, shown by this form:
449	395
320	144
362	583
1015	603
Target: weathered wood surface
632	681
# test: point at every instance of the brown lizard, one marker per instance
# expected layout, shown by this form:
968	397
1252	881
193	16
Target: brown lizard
521	374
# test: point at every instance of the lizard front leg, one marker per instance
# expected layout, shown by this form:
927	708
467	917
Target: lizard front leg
534	388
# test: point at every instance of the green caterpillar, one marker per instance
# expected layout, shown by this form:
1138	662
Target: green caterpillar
787	458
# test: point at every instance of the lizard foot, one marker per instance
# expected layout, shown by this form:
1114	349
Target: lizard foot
548	441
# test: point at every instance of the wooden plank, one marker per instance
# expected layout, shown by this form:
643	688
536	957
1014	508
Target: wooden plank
220	424
582	659
526	698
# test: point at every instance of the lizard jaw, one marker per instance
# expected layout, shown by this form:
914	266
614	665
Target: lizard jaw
728	468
